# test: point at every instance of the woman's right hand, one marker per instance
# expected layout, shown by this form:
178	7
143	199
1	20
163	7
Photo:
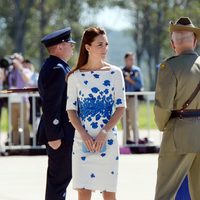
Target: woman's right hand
88	140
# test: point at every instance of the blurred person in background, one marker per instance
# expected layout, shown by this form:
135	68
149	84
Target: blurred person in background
2	79
19	77
33	83
133	83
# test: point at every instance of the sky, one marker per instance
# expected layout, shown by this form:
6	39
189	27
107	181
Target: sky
111	18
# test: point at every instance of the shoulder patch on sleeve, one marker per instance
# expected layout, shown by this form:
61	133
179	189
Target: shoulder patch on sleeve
136	74
58	66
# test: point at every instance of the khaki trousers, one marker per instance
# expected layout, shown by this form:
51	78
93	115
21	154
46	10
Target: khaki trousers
172	169
131	118
15	121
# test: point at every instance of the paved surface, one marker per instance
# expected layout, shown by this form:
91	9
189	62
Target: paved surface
23	178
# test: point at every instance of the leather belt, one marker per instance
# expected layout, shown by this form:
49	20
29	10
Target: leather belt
185	113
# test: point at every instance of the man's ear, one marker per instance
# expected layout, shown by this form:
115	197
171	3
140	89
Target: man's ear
195	42
172	44
59	46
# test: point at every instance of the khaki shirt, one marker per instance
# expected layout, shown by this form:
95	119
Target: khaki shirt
177	79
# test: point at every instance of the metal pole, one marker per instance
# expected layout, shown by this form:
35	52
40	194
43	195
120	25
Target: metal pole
0	118
124	128
148	116
34	120
22	128
10	134
136	119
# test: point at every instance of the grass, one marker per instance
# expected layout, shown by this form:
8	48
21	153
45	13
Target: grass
4	120
145	117
145	121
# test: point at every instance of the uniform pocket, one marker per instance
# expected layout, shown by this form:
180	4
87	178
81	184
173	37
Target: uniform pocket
187	135
168	142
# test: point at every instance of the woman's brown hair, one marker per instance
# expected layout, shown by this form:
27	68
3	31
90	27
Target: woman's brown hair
87	38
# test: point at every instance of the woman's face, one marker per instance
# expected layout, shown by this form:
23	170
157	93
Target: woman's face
98	48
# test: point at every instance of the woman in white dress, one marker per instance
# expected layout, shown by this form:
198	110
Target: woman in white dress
96	101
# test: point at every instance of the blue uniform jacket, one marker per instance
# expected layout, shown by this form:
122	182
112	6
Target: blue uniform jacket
136	75
52	87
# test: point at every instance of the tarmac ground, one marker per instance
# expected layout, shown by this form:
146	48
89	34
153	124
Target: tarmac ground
24	177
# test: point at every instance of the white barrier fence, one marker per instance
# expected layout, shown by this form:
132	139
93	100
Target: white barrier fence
9	143
148	99
152	134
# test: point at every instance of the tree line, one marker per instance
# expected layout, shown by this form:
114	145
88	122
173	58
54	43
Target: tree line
24	22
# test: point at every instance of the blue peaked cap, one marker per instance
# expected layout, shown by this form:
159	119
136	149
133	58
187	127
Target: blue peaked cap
62	35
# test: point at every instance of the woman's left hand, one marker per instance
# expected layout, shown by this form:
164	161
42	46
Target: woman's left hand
99	141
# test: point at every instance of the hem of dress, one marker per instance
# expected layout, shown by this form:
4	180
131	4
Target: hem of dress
93	190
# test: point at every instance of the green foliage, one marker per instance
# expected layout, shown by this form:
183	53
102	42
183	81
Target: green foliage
24	22
150	32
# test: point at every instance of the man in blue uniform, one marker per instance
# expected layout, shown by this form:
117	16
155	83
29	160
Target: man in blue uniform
133	83
55	130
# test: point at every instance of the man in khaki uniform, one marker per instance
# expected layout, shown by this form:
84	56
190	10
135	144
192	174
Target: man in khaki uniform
178	78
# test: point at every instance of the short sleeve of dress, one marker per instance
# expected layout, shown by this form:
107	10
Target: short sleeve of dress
120	98
72	94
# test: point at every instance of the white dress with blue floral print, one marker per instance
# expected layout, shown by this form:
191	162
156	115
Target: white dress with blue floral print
95	95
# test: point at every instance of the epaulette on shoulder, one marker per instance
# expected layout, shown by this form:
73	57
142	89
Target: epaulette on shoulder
165	61
58	66
170	58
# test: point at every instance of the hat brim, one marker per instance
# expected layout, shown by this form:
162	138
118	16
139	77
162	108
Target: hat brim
71	41
195	30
